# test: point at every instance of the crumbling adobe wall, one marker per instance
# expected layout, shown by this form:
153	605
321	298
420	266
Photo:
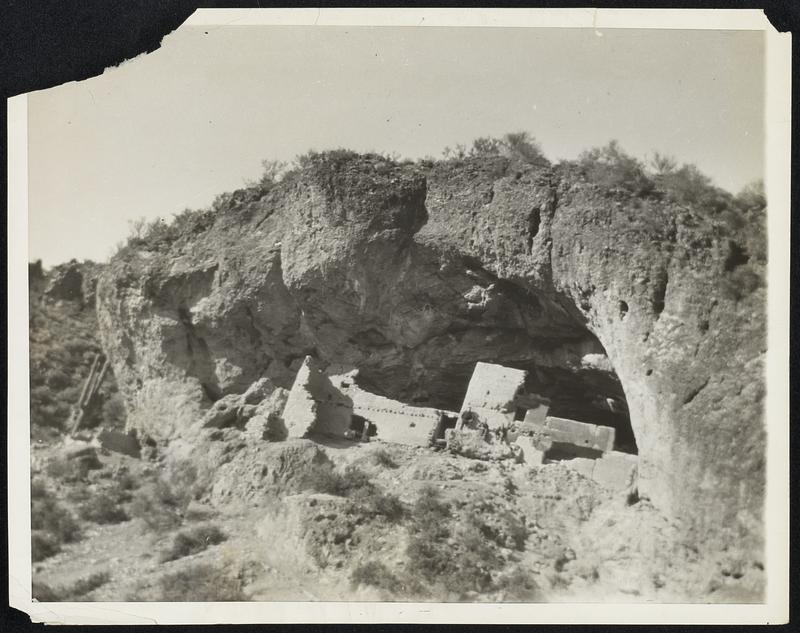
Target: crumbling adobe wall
394	421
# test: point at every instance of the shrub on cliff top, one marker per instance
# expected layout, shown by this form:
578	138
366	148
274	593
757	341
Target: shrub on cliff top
519	146
611	168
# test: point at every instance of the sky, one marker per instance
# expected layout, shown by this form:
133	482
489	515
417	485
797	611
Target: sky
170	130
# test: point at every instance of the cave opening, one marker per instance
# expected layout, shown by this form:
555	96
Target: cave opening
545	335
593	396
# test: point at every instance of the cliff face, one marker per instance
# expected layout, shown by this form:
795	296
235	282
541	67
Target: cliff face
412	274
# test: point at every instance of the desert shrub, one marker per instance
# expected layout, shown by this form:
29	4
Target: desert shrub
364	497
429	512
190	222
518	586
103	508
611	168
384	459
429	530
326	479
330	535
523	146
51	524
43	545
273	173
331	159
39	489
200	583
752	198
113	412
458	553
42	592
163	505
375	574
73	593
47	515
459	152
192	541
88	584
741	282
125	482
69	470
156	507
373	502
496	523
688	186
519	146
486	146
57	379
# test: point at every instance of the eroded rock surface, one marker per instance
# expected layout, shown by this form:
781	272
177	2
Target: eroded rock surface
413	274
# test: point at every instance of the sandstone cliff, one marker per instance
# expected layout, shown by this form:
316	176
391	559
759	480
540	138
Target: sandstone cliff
413	272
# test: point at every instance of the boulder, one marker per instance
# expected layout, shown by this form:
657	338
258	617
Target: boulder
119	442
223	412
82	453
258	391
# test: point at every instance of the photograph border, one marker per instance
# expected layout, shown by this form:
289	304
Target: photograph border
777	183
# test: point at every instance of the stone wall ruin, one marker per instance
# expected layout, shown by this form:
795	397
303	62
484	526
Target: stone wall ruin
336	406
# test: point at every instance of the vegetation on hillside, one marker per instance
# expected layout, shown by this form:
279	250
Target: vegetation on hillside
63	344
608	167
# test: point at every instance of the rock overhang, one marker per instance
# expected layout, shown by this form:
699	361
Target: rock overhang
588	253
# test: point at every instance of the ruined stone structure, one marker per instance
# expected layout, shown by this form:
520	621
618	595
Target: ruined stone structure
497	395
558	431
393	421
315	405
336	406
493	424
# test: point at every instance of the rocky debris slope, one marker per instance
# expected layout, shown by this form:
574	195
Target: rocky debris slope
412	273
368	521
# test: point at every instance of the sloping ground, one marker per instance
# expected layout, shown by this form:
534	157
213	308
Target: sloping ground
459	529
63	342
605	282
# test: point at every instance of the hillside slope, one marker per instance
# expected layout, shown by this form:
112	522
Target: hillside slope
64	340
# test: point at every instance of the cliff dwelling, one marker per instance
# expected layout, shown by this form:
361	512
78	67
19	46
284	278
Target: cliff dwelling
499	419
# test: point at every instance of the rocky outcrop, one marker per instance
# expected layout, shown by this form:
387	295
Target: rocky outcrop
413	273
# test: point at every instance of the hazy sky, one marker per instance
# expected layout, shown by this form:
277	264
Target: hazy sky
172	129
